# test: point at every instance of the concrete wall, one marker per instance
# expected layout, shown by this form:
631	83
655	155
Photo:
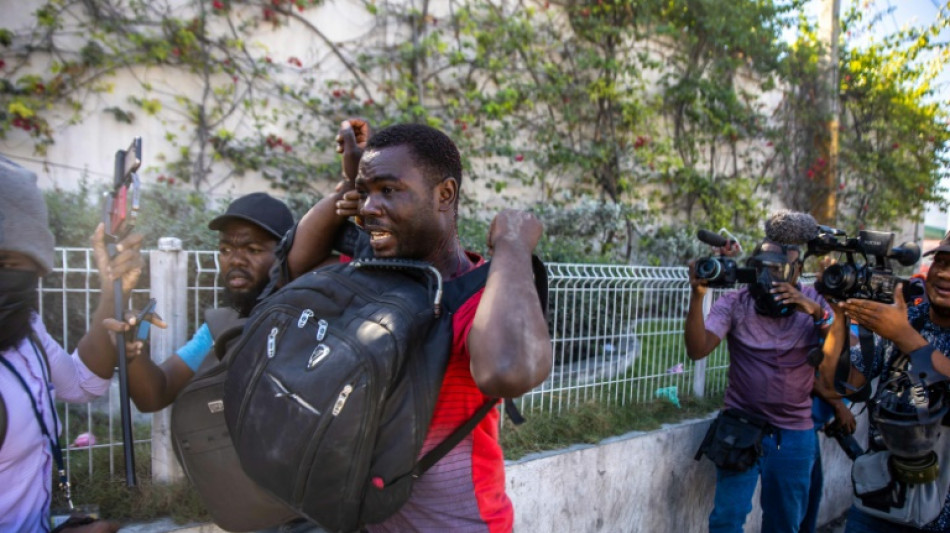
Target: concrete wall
639	482
643	482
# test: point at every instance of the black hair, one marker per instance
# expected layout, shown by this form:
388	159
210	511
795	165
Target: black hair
430	148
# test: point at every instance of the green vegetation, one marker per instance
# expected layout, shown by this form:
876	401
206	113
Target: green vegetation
148	500
593	422
626	123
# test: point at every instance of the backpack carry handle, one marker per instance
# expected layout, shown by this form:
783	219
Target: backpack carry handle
406	264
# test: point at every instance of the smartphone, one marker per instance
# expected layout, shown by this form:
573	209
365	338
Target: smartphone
143	325
121	203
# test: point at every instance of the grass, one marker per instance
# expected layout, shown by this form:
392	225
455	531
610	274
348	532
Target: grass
593	422
146	501
116	501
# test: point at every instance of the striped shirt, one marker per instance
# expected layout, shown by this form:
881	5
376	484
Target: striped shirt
465	490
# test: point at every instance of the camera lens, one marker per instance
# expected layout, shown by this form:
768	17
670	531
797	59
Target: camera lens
839	278
709	268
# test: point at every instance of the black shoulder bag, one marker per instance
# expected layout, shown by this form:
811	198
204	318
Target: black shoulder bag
734	440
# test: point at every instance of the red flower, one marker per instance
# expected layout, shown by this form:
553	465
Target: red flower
841	187
896	146
640	142
2	63
519	158
368	102
217	4
810	174
337	93
294	61
770	143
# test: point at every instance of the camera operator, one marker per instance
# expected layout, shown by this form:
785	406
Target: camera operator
922	332
773	328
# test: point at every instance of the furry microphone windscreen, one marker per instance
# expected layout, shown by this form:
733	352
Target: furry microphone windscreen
791	227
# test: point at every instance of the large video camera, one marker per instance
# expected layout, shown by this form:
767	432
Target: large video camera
720	271
865	273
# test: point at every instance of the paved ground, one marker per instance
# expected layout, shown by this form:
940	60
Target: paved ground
835	526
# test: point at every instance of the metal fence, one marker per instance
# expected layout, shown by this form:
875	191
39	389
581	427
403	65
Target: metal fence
617	335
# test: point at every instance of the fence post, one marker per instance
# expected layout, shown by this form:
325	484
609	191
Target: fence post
169	286
699	369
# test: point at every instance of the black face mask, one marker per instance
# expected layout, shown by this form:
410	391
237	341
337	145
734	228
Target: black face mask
18	302
765	303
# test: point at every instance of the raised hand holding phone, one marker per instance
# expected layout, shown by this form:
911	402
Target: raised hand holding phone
119	211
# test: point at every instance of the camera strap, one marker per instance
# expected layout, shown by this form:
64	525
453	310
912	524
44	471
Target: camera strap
843	369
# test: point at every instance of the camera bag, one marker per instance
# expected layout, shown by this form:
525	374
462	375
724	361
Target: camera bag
203	446
734	440
333	385
879	493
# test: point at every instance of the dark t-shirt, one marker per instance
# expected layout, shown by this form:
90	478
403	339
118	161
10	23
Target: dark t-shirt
768	369
886	352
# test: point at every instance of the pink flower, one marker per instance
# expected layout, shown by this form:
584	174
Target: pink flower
84	440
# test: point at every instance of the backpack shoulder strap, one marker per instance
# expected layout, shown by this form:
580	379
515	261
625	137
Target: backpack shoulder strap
456	293
225	324
433	456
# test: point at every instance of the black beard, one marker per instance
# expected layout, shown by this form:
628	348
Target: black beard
243	302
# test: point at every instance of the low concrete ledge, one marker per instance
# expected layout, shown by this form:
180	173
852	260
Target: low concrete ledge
641	481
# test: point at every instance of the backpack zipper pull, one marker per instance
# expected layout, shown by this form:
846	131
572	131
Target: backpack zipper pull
304	317
322	326
341	399
319	354
272	342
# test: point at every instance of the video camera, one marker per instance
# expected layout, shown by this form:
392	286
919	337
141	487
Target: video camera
721	271
866	270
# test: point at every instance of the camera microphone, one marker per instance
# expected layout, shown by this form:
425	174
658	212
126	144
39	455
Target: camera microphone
791	227
712	239
830	231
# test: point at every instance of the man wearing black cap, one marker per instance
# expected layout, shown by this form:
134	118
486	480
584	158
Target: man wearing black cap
249	231
922	334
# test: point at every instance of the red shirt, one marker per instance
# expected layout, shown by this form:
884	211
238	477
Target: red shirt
465	490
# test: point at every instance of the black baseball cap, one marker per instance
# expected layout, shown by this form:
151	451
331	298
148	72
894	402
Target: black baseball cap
258	208
942	246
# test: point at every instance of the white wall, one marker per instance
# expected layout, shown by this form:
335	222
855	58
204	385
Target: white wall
643	482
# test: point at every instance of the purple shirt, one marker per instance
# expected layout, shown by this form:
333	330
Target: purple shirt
768	370
26	462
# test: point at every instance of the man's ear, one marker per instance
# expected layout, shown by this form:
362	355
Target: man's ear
448	190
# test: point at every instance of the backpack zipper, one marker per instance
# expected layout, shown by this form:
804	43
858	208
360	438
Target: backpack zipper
341	399
285	392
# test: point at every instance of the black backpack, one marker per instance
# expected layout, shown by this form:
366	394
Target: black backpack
203	447
333	385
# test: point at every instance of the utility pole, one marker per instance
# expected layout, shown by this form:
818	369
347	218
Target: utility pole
827	141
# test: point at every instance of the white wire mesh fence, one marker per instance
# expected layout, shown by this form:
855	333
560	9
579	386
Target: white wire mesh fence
617	335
